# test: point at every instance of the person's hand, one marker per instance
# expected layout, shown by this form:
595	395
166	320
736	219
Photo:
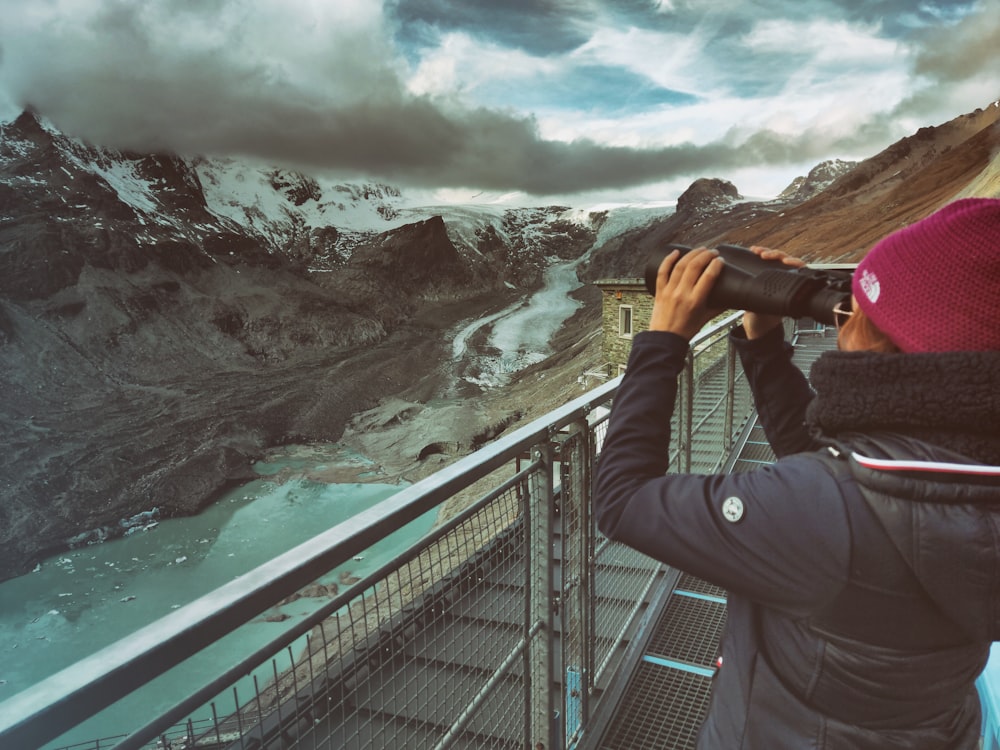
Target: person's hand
682	288
759	324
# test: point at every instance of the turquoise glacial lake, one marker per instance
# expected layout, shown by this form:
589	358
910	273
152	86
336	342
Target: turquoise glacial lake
82	600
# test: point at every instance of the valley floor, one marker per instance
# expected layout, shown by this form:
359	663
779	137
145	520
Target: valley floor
176	447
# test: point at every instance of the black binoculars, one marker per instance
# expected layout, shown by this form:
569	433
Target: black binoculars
748	282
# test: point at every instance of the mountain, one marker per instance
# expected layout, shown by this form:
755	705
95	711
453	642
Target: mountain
165	320
819	179
838	211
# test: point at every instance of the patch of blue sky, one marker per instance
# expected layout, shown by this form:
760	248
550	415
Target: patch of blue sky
594	88
538	27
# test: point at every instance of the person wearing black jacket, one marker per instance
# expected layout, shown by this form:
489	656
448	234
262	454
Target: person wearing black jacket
863	566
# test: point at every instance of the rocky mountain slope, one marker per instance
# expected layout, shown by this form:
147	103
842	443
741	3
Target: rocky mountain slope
163	321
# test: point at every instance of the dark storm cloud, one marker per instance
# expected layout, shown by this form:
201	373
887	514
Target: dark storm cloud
134	91
548	167
490	151
413	141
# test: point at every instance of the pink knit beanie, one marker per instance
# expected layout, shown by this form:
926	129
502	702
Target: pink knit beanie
934	286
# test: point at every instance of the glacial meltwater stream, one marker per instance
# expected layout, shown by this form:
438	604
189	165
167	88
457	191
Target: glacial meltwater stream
83	600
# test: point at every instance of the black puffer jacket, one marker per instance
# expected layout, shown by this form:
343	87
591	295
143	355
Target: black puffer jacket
863	582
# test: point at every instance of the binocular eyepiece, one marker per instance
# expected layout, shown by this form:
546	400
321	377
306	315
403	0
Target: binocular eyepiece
748	282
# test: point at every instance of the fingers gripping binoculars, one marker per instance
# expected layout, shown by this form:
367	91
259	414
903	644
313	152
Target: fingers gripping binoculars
748	282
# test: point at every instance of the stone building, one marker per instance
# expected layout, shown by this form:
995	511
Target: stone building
626	308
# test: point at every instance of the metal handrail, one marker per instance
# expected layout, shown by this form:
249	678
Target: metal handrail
49	708
79	691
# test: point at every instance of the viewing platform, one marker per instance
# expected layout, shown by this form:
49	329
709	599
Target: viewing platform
512	624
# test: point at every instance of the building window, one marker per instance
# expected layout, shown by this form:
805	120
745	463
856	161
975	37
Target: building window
625	321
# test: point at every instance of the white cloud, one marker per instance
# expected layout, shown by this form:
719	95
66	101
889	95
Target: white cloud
461	64
676	61
830	42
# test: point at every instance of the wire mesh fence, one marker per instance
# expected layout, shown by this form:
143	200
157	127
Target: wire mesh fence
498	629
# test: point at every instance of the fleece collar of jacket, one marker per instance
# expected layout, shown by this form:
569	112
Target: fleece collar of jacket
949	399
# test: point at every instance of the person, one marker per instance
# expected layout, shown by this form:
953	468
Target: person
863	566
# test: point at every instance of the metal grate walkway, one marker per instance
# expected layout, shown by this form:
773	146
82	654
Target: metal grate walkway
669	686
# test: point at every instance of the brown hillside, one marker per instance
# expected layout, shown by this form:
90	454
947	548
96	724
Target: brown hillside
898	186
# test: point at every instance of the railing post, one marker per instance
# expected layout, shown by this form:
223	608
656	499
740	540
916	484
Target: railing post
687	424
539	678
730	394
577	656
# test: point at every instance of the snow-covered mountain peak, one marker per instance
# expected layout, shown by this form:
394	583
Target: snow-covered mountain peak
260	197
819	178
308	216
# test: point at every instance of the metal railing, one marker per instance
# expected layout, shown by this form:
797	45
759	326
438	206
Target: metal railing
502	627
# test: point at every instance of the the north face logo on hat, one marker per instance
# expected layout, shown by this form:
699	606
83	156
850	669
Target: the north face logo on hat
869	285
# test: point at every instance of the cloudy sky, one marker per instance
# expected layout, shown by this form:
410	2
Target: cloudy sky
536	98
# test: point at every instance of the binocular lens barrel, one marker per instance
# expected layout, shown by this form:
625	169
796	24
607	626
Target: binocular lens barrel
748	282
